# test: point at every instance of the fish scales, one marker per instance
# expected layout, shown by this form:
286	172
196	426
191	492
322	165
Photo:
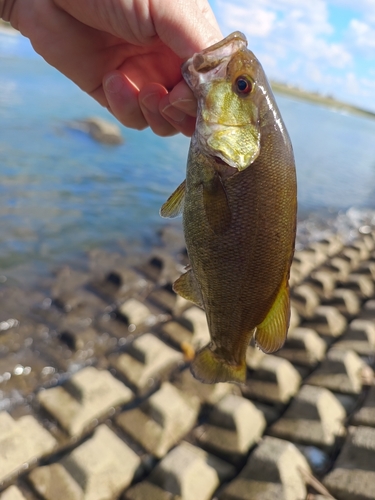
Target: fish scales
240	242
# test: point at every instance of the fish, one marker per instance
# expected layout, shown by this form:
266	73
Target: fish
239	205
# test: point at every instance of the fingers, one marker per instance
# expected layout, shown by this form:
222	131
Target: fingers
122	97
185	26
182	98
177	118
165	113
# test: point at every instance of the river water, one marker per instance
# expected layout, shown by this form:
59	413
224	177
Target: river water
62	193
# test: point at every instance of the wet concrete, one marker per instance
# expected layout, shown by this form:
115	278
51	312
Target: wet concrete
100	314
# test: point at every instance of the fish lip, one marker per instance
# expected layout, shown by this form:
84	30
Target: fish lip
212	61
237	36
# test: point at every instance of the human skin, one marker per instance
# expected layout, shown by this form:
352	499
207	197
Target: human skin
126	54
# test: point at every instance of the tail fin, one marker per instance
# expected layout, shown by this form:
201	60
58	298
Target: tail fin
210	367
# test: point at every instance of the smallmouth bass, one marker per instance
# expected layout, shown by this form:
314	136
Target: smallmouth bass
239	209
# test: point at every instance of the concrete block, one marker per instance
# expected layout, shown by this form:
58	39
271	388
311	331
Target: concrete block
148	491
161	268
135	314
295	320
166	299
12	493
341	371
22	442
228	432
330	245
88	395
77	337
327	321
361	284
353	475
368	310
359	337
190	472
254	356
275	380
304	347
52	482
323	283
208	394
162	420
315	417
368	240
317	253
305	300
363	248
346	301
122	281
102	466
195	320
338	267
367	268
352	255
147	359
366	414
272	472
302	264
190	331
295	276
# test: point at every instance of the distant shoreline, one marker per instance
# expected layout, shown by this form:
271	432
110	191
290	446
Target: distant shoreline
282	88
316	98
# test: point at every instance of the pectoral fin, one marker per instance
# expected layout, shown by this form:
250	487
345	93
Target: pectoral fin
271	333
216	204
188	288
175	204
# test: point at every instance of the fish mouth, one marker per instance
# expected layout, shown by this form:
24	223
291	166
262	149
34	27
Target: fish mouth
212	62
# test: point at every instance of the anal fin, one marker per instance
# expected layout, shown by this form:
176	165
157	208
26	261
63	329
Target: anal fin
174	206
271	334
187	286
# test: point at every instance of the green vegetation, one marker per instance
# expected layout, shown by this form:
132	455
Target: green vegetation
320	99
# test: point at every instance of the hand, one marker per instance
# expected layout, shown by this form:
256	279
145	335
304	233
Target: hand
125	53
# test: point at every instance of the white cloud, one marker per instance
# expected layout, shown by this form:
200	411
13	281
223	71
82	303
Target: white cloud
259	22
362	34
285	32
298	43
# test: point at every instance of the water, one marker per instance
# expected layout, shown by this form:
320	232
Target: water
62	193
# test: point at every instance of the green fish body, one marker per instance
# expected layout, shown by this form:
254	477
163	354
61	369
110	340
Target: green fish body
239	210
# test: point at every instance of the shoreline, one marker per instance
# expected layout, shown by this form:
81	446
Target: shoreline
282	88
317	98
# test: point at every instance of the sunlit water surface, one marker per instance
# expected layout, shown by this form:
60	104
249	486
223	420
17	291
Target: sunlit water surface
62	193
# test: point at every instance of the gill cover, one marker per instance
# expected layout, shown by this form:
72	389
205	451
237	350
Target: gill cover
223	78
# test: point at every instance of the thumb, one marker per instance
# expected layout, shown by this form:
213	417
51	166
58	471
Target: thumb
186	26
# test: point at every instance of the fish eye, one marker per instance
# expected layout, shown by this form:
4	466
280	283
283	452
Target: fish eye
243	85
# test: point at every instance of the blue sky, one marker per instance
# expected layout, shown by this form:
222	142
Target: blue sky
320	45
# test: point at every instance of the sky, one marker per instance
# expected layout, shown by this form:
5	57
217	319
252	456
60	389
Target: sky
326	46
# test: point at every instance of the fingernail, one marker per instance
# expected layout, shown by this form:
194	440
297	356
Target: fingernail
151	102
114	84
185	105
175	114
